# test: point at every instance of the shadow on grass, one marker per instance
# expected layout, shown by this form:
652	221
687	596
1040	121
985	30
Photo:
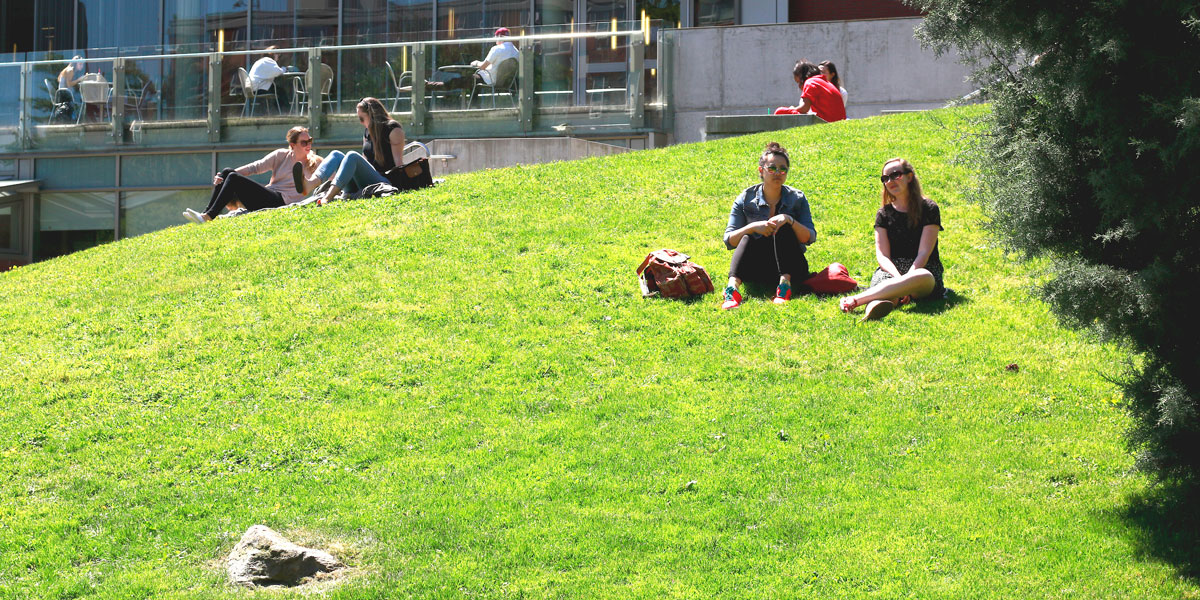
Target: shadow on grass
935	307
1166	526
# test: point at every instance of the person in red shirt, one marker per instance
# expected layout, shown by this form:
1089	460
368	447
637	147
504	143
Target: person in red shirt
816	95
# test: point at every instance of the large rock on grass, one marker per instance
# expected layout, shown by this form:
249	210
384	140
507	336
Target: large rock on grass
265	558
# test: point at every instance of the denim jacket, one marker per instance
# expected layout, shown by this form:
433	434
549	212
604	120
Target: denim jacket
750	207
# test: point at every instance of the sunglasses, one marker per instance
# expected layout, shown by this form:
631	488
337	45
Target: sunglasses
781	169
307	142
894	176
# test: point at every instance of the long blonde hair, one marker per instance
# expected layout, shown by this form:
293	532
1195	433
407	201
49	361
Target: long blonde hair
293	134
377	127
916	204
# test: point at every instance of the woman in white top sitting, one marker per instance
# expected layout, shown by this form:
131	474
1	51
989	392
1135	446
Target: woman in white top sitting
829	72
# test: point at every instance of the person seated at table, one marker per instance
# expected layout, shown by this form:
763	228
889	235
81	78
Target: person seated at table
233	189
72	74
263	74
502	51
64	96
382	149
816	95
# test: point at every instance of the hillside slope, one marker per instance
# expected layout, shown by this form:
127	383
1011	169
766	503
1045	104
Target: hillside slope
461	393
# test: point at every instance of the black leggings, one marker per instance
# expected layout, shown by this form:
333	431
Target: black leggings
762	260
238	187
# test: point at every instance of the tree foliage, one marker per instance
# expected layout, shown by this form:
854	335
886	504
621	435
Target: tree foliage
1092	156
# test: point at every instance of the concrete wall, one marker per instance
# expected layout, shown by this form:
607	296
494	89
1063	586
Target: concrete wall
475	154
748	69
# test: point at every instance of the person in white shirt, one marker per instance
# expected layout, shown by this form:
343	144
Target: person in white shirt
489	67
263	74
503	50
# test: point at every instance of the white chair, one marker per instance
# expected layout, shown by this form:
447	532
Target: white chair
398	87
300	89
94	92
251	95
505	83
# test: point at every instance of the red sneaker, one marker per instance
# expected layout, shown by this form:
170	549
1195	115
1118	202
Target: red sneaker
783	293
732	298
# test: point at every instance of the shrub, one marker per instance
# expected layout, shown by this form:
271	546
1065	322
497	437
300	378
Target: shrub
1090	156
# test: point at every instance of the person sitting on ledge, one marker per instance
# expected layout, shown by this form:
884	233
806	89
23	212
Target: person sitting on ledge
906	245
382	149
816	95
830	73
233	189
769	228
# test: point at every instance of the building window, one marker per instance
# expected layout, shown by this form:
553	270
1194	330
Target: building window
144	212
715	12
10	224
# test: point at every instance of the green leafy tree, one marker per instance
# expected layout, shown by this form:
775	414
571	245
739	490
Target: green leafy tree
1091	155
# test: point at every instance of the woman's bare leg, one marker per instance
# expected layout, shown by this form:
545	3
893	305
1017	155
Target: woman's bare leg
917	283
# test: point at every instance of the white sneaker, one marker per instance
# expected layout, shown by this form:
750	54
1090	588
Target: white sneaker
192	216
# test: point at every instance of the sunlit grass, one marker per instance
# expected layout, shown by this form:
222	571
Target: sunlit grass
463	390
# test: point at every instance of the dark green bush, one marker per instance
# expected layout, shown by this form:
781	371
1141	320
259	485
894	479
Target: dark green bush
1092	156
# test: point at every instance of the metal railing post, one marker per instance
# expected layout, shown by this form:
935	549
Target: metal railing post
636	82
525	95
118	101
214	97
419	112
316	99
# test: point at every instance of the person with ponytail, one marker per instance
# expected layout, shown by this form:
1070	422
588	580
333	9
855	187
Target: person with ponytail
382	149
232	188
770	226
906	245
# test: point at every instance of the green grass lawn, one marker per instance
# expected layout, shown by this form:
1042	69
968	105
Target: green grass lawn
461	393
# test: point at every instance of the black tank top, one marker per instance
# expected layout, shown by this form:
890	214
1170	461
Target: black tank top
369	148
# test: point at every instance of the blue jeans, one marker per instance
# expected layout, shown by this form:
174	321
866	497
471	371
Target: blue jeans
349	169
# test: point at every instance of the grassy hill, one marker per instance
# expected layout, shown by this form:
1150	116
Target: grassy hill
461	393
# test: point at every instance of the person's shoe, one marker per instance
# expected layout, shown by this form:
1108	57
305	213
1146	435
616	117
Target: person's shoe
193	216
732	298
878	309
298	177
234	213
783	293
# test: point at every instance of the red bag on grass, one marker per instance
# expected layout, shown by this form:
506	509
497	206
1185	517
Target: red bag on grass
671	275
834	279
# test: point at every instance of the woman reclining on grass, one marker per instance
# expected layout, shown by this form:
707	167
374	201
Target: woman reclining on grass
906	232
382	149
233	189
769	229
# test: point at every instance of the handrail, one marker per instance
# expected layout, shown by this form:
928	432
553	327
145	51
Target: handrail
531	37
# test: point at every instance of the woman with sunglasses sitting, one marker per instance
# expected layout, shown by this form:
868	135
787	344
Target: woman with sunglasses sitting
233	189
382	149
906	245
770	226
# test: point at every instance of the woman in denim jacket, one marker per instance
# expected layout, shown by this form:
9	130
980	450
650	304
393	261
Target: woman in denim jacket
770	226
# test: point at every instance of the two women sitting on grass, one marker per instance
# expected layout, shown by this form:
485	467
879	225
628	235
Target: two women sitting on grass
769	228
906	245
382	149
232	188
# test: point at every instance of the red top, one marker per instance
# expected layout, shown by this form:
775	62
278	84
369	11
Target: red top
825	99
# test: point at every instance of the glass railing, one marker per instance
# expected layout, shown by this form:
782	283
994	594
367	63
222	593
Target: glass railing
119	93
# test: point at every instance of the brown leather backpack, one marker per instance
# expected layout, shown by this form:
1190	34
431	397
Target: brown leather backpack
671	275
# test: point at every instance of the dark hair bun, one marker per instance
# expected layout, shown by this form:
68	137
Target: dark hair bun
774	148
